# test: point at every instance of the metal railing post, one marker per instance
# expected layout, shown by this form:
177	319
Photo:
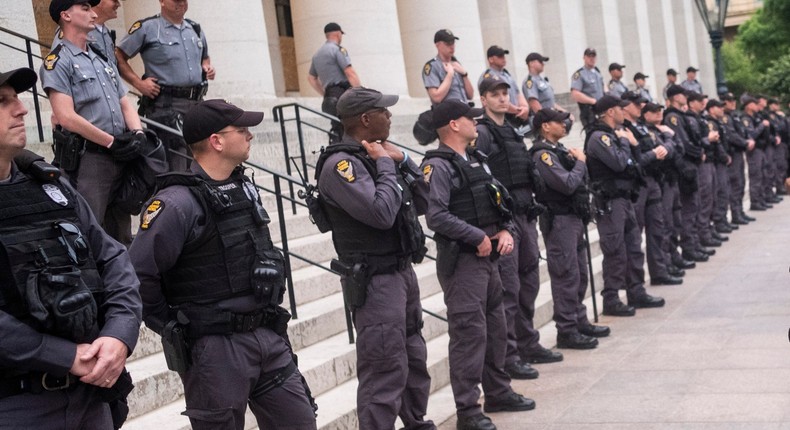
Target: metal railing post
36	105
284	240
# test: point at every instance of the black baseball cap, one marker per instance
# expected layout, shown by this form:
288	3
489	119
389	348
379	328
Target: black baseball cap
491	83
616	66
672	72
640	75
359	100
452	109
607	102
211	116
746	99
58	6
728	97
497	51
333	26
533	56
692	69
19	79
632	97
444	35
590	52
675	90
773	101
694	96
713	103
652	107
548	115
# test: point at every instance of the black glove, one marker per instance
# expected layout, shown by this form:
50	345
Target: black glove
127	146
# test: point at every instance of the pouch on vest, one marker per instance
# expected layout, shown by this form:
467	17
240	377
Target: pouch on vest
59	300
317	214
268	278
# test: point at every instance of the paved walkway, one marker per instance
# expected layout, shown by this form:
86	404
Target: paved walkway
716	357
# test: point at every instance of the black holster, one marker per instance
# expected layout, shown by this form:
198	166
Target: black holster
68	148
355	281
176	347
447	253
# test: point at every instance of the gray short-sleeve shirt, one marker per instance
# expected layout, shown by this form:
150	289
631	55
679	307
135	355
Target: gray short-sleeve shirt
537	87
329	64
505	76
617	88
433	74
100	38
588	81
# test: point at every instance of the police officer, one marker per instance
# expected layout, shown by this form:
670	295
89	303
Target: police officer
365	187
467	210
587	87
616	85
103	38
96	119
443	76
782	128
757	129
721	161
774	140
177	66
672	78
511	165
615	176
738	144
567	200
691	83
69	305
518	107
211	282
537	89
331	73
650	155
639	81
689	145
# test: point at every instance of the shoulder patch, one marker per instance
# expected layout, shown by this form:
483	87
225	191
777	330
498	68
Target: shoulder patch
611	85
674	120
546	159
345	169
343	51
51	60
529	82
576	76
151	212
486	75
426	173
606	141
427	69
136	26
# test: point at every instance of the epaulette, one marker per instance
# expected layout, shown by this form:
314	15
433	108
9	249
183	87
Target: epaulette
137	24
53	57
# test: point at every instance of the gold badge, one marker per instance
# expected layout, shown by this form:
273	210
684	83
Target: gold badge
50	61
674	120
136	26
710	126
487	75
606	141
611	85
576	76
426	173
746	122
151	212
546	159
529	83
726	120
652	136
427	69
345	169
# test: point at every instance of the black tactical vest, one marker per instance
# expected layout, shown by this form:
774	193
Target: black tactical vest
45	261
612	184
479	201
234	256
556	202
511	165
353	238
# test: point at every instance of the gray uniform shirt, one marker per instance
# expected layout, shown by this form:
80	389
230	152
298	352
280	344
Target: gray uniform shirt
93	83
433	74
172	54
617	88
645	93
692	86
537	87
23	348
588	81
505	76
329	63
99	37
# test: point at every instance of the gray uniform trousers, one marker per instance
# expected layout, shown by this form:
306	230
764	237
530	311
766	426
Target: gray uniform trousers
478	332
670	203
689	208
566	255
70	409
780	172
706	176
97	180
756	160
225	371
722	194
164	107
650	218
520	276
769	170
391	353
737	182
623	259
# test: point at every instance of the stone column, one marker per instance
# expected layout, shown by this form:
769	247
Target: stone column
237	42
670	35
603	26
658	42
563	39
707	73
372	39
682	39
19	16
419	20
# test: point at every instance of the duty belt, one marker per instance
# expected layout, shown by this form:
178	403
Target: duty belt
204	323
381	264
191	93
95	147
36	383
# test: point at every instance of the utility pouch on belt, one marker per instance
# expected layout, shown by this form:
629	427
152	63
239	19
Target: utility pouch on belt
447	252
60	301
355	282
174	345
68	148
